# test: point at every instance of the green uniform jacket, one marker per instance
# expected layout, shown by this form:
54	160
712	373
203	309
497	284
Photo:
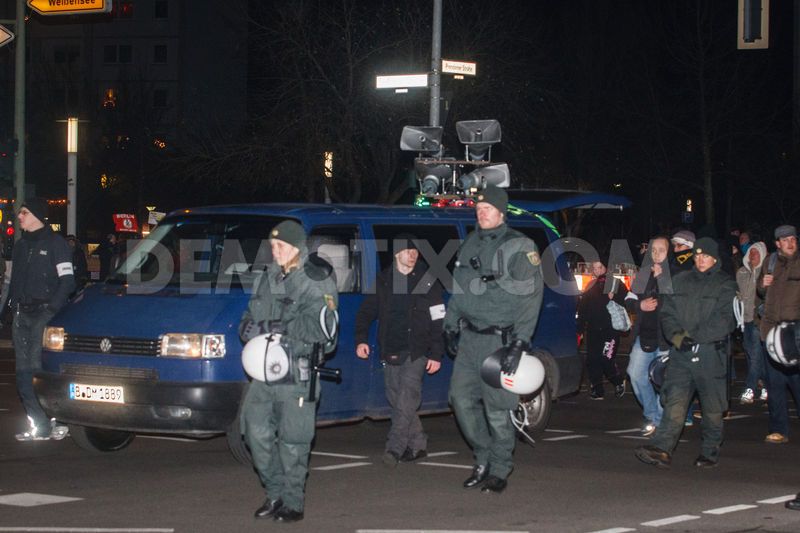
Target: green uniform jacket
701	306
513	298
301	300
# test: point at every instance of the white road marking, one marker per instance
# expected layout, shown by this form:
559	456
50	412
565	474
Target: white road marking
736	417
635	437
730	509
559	431
446	465
90	529
615	530
340	455
566	437
617	431
32	499
339	467
440	454
779	499
670	520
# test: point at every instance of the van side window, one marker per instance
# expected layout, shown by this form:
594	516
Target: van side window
338	246
535	234
442	238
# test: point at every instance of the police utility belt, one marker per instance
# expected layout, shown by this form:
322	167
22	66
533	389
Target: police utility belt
504	332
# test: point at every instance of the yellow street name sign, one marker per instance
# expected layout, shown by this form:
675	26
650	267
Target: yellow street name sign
69	7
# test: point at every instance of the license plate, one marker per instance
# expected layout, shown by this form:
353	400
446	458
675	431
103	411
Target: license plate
96	393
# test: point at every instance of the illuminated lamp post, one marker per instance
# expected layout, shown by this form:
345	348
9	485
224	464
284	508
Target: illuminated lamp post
72	175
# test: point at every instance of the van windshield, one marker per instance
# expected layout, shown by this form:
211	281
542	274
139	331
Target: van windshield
199	251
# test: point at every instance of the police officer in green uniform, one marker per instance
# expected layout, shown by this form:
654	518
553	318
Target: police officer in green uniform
496	300
697	317
296	297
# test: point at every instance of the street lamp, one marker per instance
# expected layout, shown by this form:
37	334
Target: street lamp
72	174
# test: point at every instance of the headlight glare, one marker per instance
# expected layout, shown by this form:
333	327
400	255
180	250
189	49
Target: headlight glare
192	345
53	339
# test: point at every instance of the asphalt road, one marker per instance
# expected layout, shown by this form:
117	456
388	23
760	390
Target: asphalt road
581	477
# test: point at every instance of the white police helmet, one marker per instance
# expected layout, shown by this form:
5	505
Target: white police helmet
527	378
782	343
264	359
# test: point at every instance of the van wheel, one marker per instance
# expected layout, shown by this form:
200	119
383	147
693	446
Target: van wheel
236	444
100	440
533	412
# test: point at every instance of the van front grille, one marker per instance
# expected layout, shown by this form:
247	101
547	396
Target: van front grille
111	345
97	371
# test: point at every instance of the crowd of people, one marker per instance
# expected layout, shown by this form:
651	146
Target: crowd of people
688	297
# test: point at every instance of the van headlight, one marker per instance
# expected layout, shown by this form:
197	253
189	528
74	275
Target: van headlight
53	339
192	345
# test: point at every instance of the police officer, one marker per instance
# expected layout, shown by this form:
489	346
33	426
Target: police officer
697	319
297	298
495	302
41	281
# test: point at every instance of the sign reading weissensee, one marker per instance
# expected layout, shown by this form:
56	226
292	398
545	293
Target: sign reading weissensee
69	7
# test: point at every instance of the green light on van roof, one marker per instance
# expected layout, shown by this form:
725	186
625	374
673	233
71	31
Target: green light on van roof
543	219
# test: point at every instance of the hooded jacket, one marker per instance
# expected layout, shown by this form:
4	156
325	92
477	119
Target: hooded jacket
747	280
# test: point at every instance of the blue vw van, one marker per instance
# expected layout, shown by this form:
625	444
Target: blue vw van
155	349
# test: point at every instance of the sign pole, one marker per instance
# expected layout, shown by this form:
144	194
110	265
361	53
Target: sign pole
19	109
436	64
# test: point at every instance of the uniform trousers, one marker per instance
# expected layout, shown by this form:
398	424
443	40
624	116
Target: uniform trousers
27	338
279	427
482	411
403	384
705	373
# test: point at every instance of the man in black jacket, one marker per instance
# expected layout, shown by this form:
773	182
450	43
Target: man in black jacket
409	308
41	281
697	318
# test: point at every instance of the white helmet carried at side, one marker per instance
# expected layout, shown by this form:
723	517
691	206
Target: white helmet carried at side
264	359
526	379
783	343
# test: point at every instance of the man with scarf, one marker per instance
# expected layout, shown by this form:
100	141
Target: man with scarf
697	318
644	300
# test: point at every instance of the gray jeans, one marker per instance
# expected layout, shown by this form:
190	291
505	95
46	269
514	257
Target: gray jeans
404	392
27	336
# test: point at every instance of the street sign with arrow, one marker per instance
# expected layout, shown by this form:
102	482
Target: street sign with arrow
69	7
5	36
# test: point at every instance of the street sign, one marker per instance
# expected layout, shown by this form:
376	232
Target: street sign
458	67
69	7
401	81
5	36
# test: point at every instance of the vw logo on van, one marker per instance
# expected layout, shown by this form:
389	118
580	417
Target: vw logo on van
105	345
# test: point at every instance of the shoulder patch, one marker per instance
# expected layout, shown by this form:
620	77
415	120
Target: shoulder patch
534	258
330	302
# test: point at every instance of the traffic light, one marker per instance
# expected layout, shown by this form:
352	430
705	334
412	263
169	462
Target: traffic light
8	239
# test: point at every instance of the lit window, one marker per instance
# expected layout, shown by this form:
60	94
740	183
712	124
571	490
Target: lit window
110	99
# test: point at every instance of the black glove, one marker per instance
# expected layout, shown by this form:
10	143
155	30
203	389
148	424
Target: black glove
687	344
451	343
510	361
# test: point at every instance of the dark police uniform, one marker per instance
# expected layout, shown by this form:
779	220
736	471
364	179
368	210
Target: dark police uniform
41	282
277	420
496	299
701	309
